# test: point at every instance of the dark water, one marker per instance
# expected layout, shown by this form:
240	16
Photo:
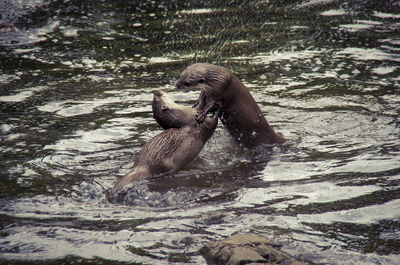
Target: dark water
76	82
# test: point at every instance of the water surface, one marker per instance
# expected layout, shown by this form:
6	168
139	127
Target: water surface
76	83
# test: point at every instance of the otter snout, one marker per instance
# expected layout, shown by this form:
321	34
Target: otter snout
179	84
157	98
184	85
157	93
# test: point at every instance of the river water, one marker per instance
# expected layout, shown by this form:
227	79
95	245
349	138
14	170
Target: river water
76	84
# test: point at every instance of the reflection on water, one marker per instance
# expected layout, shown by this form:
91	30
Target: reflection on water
76	84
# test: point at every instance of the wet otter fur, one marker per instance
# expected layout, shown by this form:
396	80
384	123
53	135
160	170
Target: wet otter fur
170	150
240	113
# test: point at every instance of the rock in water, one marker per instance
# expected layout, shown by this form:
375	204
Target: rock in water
245	249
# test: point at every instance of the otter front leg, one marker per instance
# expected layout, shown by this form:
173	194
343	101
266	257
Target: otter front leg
215	109
207	108
203	106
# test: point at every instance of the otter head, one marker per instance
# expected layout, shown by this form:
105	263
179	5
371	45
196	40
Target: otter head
204	77
161	101
169	114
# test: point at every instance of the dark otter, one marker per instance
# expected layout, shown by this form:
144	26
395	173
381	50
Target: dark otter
170	150
239	113
169	114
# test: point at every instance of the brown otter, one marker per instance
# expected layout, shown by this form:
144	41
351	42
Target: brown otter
239	113
170	150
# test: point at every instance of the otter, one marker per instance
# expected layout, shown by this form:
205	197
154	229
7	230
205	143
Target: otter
239	112
170	150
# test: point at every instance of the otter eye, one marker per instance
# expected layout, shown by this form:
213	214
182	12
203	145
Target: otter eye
201	81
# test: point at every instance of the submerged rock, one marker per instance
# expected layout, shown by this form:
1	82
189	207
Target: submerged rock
245	249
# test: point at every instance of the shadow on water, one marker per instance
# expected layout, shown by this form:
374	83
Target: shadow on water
76	82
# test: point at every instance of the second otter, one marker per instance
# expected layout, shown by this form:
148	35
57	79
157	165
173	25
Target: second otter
172	149
240	112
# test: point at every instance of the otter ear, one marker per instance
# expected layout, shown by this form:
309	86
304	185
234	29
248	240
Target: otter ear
202	80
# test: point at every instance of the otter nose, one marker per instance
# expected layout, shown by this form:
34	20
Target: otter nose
178	84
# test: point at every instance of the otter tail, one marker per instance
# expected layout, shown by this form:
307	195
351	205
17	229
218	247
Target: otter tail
137	173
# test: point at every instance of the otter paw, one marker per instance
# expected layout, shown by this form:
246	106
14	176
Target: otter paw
200	117
217	107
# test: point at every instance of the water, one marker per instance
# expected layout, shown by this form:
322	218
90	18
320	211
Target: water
76	82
